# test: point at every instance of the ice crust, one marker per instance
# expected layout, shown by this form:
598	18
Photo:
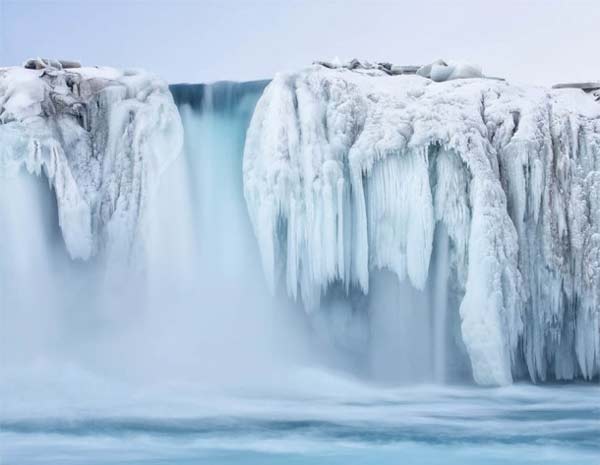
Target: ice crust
101	136
349	171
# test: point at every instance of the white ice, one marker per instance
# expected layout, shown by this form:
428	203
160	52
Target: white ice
101	136
347	172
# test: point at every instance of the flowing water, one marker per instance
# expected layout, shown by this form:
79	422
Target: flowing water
316	418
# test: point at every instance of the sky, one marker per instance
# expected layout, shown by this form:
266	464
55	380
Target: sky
526	41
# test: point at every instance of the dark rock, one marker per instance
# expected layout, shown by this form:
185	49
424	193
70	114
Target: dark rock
67	64
585	86
44	63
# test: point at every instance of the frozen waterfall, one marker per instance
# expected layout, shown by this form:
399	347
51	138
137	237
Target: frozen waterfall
102	138
350	172
433	232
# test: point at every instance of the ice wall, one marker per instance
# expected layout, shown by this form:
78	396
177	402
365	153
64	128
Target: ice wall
351	171
102	137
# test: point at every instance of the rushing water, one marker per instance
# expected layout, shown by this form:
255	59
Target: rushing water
317	418
192	361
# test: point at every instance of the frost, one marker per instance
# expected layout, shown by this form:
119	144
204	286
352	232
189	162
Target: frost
101	136
348	172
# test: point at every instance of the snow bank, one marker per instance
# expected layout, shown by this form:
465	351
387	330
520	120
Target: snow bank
347	171
101	136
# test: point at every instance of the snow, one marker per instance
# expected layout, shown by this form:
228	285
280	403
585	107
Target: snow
101	136
440	71
349	171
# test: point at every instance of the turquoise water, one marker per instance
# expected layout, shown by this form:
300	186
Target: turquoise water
320	420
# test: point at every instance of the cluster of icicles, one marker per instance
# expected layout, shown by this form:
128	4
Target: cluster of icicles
346	172
101	136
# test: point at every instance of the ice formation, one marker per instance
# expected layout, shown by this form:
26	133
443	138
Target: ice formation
101	136
347	171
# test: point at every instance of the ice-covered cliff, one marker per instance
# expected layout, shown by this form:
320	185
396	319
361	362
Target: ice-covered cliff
347	171
101	136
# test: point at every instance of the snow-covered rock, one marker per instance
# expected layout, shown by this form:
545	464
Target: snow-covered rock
437	71
440	71
366	66
347	171
101	136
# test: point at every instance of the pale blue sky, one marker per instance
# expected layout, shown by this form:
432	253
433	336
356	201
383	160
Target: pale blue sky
538	41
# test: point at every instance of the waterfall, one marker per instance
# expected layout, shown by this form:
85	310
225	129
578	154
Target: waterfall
215	118
188	306
228	233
